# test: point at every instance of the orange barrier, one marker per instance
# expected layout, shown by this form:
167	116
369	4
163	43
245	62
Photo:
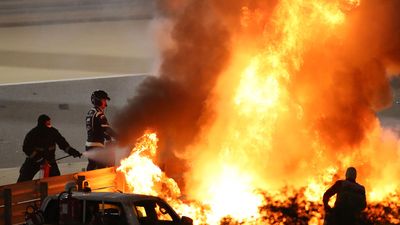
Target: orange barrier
14	198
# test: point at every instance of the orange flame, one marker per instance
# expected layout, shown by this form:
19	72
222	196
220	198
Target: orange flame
142	175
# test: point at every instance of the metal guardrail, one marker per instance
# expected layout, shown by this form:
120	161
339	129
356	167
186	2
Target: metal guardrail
14	198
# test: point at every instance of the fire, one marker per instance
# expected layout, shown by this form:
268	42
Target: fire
288	118
141	174
316	187
229	188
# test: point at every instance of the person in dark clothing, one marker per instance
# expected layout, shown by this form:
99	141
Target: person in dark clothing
97	127
350	200
39	147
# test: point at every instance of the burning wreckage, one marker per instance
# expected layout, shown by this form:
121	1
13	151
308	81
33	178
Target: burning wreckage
286	206
259	106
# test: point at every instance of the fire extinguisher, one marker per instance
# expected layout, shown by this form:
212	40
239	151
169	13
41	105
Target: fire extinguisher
33	216
70	212
45	169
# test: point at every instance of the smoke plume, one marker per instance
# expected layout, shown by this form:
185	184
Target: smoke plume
173	103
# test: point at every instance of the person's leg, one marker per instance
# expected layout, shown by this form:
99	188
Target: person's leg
28	170
54	170
91	164
100	165
345	217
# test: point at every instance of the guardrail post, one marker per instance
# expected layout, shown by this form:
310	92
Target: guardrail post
7	196
43	189
80	182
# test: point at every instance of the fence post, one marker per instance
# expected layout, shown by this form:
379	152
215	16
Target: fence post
80	182
43	189
7	196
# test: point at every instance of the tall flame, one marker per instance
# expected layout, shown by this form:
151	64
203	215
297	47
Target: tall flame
142	175
258	121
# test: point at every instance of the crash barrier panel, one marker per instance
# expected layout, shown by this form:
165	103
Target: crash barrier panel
15	198
101	180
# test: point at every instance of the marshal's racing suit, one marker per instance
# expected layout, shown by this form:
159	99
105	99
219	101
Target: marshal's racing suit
40	146
98	132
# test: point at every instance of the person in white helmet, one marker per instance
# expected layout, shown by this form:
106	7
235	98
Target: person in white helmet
350	200
97	127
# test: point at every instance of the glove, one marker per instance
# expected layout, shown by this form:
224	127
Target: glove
75	153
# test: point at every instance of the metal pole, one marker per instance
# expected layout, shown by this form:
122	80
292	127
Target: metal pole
7	196
43	187
63	157
80	182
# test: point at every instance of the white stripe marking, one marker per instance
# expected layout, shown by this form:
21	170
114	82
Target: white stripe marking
75	79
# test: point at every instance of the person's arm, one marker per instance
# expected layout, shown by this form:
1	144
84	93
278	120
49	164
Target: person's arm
27	147
111	133
364	200
64	145
30	146
60	140
106	127
334	189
